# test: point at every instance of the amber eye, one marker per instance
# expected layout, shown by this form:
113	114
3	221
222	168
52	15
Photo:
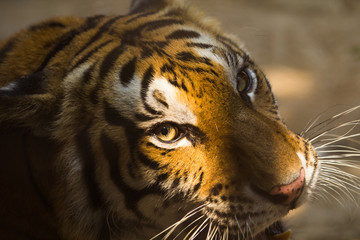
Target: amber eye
244	80
167	132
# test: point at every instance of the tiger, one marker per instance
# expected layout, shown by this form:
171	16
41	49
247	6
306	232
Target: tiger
150	125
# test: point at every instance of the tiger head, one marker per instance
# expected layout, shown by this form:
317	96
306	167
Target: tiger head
163	119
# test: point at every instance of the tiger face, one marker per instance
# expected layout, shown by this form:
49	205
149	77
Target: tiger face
164	119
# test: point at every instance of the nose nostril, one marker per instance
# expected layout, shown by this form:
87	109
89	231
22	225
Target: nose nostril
284	194
287	193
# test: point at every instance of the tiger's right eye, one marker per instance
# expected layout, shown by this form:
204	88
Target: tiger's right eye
167	133
244	80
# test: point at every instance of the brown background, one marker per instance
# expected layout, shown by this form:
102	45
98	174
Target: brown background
309	49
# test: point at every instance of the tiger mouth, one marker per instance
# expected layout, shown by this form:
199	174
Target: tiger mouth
276	231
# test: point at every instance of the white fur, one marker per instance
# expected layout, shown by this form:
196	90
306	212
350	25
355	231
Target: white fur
10	87
251	92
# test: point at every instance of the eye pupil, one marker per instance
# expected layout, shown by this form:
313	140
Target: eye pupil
164	131
244	81
167	132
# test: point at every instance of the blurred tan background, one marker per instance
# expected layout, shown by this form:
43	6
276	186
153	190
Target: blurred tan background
309	49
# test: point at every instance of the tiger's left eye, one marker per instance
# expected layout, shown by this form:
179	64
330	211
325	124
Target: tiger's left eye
244	80
167	132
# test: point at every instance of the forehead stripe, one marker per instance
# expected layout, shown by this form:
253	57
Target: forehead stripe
128	71
109	60
199	45
67	38
189	57
99	33
147	79
87	56
181	34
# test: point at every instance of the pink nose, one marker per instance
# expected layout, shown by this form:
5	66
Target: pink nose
291	191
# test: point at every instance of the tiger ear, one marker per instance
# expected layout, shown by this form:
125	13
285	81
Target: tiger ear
138	6
25	103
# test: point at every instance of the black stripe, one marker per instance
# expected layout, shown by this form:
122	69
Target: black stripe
146	52
183	86
110	60
112	154
87	159
26	85
113	117
189	57
199	45
132	196
48	24
181	34
145	83
153	25
186	56
66	39
148	162
215	73
175	183
162	177
6	49
88	75
89	54
160	98
128	71
145	14
143	118
197	186
94	98
162	102
99	33
167	67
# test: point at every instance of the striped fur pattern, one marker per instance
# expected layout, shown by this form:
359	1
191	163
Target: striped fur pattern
104	88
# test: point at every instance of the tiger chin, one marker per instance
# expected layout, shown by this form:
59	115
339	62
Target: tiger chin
152	125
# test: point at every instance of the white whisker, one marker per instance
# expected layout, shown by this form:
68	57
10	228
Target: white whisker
353	124
338	185
355	164
309	125
190	232
199	229
172	227
209	230
193	222
336	146
212	234
322	125
330	187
